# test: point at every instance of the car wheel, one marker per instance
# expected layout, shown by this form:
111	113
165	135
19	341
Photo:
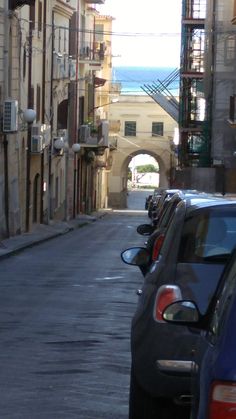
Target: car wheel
144	406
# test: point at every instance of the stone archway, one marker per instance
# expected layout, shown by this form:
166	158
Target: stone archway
118	176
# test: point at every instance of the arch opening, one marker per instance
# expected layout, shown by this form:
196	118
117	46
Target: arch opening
118	184
143	172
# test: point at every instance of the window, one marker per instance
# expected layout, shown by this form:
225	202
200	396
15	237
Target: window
157	128
223	301
40	12
208	236
234	13
99	33
32	14
130	129
229	50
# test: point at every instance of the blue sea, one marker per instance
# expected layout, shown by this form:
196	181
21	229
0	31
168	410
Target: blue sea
134	79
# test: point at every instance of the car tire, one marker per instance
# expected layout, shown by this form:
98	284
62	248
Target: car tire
143	406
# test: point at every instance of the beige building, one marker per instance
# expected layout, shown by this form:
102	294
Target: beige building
52	60
138	125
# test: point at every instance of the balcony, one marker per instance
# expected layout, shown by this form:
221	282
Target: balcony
92	52
64	67
14	4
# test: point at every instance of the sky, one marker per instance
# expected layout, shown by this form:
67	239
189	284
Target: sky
146	33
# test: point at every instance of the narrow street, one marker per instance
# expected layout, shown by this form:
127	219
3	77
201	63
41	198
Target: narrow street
65	312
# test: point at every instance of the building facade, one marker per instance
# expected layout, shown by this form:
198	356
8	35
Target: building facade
138	125
207	96
54	57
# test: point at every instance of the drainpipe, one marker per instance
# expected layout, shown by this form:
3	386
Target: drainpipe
5	96
6	189
43	104
30	106
76	113
51	122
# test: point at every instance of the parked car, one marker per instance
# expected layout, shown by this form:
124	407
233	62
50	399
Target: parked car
153	203
195	248
163	199
147	200
156	233
215	390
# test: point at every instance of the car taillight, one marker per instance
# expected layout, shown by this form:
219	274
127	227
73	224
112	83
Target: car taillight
222	404
166	295
157	246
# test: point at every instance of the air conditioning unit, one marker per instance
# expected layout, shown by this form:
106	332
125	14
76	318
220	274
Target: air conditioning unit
103	132
37	144
10	115
36	129
84	133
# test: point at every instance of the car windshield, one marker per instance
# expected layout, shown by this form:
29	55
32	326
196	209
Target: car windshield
208	235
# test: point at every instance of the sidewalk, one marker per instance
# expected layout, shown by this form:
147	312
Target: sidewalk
43	232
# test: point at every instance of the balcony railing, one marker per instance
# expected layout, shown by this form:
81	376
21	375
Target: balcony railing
92	51
64	67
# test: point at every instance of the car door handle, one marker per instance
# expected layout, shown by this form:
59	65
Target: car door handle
139	292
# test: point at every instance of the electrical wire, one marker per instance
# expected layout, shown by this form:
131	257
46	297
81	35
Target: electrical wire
123	34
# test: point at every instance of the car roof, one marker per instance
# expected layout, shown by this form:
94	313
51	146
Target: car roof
197	202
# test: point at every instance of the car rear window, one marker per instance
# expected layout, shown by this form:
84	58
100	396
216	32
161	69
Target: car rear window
208	236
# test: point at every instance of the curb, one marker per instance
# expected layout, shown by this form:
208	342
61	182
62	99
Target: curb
51	235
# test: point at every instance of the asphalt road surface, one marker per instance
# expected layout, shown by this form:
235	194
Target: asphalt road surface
65	313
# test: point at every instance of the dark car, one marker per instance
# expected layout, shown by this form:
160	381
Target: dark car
164	198
147	200
215	390
156	233
194	251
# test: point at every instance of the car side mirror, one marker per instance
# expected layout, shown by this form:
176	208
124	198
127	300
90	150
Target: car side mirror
145	229
185	312
137	256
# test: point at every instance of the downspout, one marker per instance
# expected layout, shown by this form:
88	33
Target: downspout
212	72
51	123
43	104
30	106
5	95
6	189
75	182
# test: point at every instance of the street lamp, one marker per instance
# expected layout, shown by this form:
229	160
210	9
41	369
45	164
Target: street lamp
29	116
76	147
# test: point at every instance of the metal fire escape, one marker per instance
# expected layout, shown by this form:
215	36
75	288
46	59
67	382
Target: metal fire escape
160	92
189	111
194	136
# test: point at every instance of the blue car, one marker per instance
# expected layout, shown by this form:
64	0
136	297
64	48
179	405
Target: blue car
215	376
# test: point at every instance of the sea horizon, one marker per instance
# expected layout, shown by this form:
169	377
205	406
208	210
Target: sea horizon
134	78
